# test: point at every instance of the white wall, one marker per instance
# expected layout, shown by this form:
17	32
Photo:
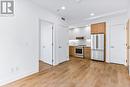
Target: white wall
129	8
19	41
111	20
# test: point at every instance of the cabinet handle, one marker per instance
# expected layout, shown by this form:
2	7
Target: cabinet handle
112	46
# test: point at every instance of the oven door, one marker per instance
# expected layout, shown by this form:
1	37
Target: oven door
79	52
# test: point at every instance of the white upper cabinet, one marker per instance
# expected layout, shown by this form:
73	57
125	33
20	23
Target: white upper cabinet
71	35
80	32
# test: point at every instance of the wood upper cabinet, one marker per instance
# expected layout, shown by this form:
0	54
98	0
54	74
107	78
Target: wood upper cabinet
94	28
98	28
101	27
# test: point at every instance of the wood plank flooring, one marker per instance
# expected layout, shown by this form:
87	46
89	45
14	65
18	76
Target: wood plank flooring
43	66
78	73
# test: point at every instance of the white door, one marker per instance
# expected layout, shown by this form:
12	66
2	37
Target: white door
117	44
46	49
62	43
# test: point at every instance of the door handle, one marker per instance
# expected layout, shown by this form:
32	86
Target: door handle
60	47
112	47
128	47
43	46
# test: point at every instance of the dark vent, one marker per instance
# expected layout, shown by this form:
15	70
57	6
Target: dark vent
63	19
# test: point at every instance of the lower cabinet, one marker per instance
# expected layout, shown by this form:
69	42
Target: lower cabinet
72	51
87	52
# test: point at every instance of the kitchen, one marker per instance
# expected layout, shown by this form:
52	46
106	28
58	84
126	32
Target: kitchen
88	42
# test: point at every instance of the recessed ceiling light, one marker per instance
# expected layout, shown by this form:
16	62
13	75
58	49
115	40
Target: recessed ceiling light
92	14
63	8
77	0
87	25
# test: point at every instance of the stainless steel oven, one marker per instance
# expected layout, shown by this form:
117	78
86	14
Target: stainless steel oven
79	51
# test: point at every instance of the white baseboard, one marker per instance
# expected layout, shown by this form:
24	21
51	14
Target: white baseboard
17	78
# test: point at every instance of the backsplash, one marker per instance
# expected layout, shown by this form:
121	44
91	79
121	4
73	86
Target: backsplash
80	42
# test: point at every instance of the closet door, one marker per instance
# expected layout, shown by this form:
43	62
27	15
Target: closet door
62	43
117	44
46	40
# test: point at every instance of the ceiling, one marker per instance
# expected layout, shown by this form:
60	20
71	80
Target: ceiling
79	10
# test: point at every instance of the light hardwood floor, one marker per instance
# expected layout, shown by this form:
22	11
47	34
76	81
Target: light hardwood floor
78	73
43	66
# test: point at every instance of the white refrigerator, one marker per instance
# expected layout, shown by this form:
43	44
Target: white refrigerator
97	47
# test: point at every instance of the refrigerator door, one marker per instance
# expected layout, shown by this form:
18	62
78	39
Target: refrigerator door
93	46
101	55
97	44
94	54
93	42
100	49
100	42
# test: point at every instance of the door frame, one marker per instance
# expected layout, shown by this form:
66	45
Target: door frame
128	45
39	39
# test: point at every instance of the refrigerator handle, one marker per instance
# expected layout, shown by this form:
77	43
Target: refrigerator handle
96	41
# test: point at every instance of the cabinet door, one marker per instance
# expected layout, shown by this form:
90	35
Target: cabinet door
71	50
94	28
98	28
101	28
87	53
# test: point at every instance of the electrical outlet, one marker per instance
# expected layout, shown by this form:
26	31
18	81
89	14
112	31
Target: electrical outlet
17	69
14	70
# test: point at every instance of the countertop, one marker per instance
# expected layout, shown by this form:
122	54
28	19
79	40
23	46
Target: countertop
79	45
